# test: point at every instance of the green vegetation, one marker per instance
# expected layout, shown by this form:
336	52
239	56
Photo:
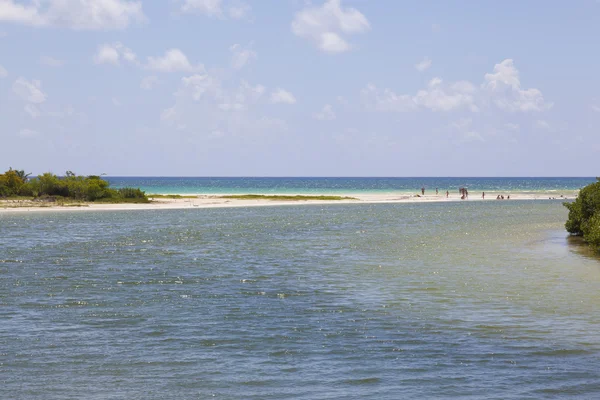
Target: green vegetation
283	197
170	196
49	187
584	215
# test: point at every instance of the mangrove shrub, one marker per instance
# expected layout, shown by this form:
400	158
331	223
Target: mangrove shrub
584	215
71	186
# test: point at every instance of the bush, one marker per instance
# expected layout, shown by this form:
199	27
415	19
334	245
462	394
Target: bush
131	193
71	186
584	215
10	183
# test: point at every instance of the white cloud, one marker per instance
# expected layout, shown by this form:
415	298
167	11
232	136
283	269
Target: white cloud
113	53
217	9
326	114
168	114
423	65
342	100
386	100
462	124
463	87
280	95
211	8
36	111
127	54
504	73
513	127
471	136
51	62
464	127
240	99
214	109
504	86
197	85
73	14
240	56
148	82
3	72
107	55
174	60
27	133
436	97
33	111
435	82
439	98
542	125
325	25
29	91
240	11
208	89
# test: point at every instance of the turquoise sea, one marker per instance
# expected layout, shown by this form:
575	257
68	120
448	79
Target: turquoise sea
462	300
241	185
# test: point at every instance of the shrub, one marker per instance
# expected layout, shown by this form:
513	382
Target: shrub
89	188
584	215
10	183
132	193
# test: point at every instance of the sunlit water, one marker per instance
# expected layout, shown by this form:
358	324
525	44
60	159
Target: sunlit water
460	300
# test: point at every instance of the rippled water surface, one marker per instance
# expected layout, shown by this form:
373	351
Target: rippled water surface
444	300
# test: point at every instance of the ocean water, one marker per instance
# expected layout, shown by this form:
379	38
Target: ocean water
207	185
479	300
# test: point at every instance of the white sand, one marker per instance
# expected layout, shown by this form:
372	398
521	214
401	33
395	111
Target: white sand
215	201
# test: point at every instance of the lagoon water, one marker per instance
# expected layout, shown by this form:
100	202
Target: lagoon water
480	300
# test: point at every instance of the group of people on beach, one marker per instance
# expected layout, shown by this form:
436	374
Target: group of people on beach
464	194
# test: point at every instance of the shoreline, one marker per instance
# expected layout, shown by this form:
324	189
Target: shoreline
217	201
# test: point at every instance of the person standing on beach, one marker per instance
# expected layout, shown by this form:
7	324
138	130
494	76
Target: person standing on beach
447	193
483	195
436	191
423	191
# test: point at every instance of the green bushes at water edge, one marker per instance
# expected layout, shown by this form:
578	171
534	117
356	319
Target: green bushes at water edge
84	188
584	215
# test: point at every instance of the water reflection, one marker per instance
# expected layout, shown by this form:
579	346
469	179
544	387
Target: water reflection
578	246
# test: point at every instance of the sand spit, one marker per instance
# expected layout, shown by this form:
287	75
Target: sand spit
217	201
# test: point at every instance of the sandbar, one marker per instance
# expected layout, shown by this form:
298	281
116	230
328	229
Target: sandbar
217	201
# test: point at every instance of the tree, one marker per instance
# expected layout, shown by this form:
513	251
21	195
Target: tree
21	174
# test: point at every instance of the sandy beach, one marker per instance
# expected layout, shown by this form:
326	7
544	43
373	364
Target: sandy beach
218	201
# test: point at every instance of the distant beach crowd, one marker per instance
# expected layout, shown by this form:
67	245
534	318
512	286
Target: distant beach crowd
464	194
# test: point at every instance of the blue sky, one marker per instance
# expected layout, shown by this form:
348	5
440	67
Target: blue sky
300	88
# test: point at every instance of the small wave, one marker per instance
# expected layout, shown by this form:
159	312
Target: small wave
560	352
257	383
363	381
